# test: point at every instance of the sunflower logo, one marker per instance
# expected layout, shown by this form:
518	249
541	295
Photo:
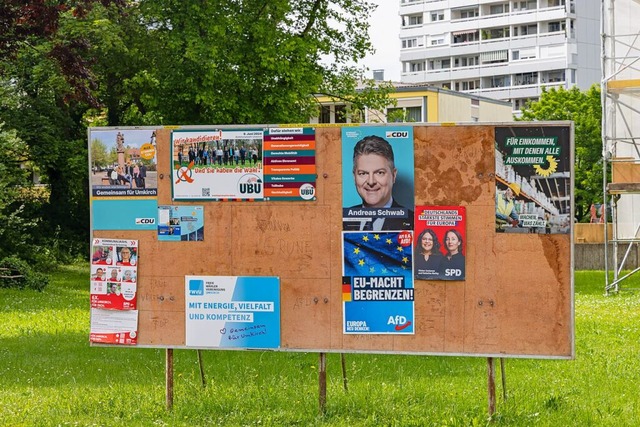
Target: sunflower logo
553	166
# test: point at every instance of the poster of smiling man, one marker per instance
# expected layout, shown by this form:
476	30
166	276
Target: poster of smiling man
377	177
533	179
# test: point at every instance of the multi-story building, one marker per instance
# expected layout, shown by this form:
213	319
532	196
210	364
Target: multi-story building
419	103
505	50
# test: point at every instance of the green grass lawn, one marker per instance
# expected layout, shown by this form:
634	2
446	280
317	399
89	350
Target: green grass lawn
50	376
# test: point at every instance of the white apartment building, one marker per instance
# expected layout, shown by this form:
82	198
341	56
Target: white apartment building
504	50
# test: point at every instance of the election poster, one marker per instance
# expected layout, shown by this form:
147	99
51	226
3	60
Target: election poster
114	326
378	178
124	178
217	164
232	312
290	164
377	283
114	271
180	223
533	179
440	244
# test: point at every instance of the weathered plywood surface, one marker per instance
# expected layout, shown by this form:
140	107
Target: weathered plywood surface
516	299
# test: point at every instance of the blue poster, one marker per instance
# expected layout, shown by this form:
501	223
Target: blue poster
180	223
377	178
124	178
232	312
377	283
124	214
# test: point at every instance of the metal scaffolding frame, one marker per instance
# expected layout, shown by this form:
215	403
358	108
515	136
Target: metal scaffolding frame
620	91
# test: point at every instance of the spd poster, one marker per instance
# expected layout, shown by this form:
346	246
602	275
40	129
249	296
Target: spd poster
440	244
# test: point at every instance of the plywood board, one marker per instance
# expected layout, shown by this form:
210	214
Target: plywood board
516	300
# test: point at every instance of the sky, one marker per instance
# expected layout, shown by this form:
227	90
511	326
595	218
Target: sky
384	31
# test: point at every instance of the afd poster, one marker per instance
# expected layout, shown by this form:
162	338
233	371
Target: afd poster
377	178
533	179
217	164
180	223
232	311
124	178
377	283
440	246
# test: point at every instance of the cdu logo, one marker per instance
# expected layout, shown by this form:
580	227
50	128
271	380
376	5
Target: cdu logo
397	134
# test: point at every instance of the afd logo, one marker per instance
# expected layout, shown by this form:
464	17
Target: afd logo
400	322
145	221
397	134
196	287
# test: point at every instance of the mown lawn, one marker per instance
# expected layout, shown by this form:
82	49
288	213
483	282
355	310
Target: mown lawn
50	376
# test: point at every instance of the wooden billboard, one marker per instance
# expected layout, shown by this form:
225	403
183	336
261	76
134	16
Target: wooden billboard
516	299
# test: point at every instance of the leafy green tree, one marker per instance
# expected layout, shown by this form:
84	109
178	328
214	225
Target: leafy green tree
250	61
99	153
584	109
68	64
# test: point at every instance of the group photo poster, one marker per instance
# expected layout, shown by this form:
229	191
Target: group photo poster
232	312
533	179
114	274
180	223
440	243
217	164
377	282
377	178
123	178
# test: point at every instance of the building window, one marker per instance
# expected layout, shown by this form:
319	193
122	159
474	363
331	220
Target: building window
437	15
437	41
325	114
409	43
499	8
525	79
554	26
468	13
466	36
556	3
411	20
524	5
407	114
470	85
416	66
495	33
340	114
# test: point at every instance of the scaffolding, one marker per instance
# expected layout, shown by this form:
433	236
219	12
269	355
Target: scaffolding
620	91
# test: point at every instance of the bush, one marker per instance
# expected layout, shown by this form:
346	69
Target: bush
16	273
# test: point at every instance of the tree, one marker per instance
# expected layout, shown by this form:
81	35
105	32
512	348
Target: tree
241	62
584	109
66	65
